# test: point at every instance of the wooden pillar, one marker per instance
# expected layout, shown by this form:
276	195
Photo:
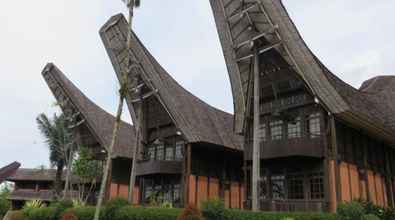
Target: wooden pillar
256	140
388	181
187	173
328	172
335	154
366	167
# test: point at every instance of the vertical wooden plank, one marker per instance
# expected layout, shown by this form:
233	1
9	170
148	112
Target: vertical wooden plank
379	189
187	175
332	186
214	188
345	182
234	195
371	186
123	191
113	190
355	183
227	198
192	190
335	154
136	195
202	190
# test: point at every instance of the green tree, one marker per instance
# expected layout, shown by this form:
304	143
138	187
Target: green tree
61	143
88	170
5	204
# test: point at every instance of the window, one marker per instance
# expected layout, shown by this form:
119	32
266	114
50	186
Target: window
262	133
176	193
294	129
295	187
179	147
169	153
313	125
160	152
278	187
276	129
151	153
317	186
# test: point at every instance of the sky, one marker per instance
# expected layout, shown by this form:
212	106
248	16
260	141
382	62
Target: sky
354	38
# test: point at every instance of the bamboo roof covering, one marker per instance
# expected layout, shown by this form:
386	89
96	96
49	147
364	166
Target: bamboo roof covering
242	23
8	170
45	175
99	122
198	121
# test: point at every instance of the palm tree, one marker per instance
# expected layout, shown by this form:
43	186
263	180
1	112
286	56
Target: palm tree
60	141
131	4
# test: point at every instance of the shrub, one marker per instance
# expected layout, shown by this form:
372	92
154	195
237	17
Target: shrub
15	215
59	208
141	213
350	211
213	209
82	213
112	206
190	213
5	205
45	213
232	214
389	214
370	217
69	215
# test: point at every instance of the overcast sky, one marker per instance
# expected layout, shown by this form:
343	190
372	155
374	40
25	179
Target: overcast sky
354	38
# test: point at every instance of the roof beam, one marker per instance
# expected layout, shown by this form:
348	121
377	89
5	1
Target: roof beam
261	51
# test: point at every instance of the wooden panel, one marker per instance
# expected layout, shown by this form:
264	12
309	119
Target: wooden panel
123	191
136	195
202	190
214	188
242	196
379	189
332	186
192	190
113	190
363	188
227	198
355	184
372	188
385	192
235	195
345	182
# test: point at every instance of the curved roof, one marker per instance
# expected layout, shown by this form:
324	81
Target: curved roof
198	121
99	122
243	22
8	170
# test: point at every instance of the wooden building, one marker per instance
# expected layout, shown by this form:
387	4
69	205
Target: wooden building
94	129
317	141
33	184
188	150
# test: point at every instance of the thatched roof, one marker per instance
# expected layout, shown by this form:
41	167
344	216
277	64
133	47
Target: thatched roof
99	122
281	40
8	170
198	121
26	174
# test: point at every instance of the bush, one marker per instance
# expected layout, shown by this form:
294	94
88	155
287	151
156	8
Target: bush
112	206
45	213
5	205
69	215
231	214
82	213
15	215
59	208
190	213
389	214
213	209
141	213
350	211
370	217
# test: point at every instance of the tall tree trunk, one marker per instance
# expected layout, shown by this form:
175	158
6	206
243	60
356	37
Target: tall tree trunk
68	174
136	150
256	157
58	180
117	125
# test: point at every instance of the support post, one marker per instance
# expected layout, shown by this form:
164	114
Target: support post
256	157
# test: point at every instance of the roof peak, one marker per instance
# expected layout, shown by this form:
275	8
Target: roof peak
378	83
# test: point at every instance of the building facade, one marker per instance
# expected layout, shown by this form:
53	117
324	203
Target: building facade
311	140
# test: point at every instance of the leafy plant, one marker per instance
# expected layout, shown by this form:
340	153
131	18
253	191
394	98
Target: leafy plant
112	206
34	204
59	208
350	211
167	205
5	204
370	217
213	209
190	213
